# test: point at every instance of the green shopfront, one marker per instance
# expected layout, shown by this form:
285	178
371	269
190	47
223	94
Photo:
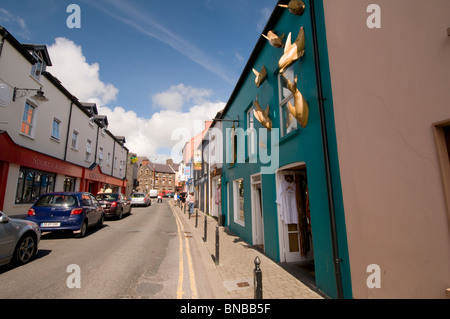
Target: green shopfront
281	187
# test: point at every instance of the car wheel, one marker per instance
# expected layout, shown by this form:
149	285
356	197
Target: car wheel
120	214
83	230
25	249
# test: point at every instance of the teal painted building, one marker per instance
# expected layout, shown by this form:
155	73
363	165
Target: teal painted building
259	162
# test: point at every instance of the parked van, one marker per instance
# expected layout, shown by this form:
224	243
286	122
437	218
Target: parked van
153	193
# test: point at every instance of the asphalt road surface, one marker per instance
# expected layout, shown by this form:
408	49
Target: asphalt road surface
148	255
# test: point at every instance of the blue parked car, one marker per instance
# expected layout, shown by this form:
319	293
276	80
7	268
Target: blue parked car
69	211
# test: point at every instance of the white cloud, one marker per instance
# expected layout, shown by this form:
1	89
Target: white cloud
153	136
18	25
178	95
145	136
81	78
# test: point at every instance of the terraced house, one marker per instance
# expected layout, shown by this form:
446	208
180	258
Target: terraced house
337	148
49	140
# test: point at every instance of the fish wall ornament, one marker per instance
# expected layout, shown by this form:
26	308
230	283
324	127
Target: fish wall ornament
292	51
296	7
262	116
274	40
300	109
260	76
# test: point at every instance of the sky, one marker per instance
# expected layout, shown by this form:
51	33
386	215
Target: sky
155	68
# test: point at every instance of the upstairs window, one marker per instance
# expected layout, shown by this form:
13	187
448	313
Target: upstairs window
288	122
88	150
38	67
28	119
56	128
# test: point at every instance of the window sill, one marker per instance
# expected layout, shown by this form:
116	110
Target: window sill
289	136
54	139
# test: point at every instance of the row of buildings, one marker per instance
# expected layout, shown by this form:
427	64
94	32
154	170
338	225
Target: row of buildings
333	151
49	140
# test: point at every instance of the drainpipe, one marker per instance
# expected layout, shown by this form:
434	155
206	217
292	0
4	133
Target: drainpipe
68	131
334	240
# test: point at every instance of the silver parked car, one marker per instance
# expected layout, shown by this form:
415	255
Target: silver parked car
19	240
140	199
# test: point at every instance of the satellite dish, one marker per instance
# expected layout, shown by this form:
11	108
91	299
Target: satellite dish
5	94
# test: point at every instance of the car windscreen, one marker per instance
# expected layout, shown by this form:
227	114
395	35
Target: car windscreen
57	201
107	197
138	196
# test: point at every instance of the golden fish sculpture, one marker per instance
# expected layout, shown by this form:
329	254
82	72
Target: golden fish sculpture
296	7
262	116
274	40
260	76
292	51
300	109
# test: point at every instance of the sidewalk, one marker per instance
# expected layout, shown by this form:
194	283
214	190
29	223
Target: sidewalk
233	277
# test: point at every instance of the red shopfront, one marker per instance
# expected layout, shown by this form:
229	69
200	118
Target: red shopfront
51	172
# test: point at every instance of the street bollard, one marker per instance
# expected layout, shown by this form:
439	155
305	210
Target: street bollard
184	207
196	218
206	230
257	279
217	245
189	213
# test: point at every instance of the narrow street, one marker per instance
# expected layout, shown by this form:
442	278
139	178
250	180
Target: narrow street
140	256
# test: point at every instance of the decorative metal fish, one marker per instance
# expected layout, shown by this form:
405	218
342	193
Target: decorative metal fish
262	116
274	40
260	76
292	52
296	7
300	109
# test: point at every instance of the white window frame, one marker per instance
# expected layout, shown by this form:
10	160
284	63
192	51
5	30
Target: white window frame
88	150
38	67
32	121
56	134
100	156
237	204
284	97
75	136
251	134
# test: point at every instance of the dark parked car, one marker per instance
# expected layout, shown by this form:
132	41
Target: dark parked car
71	211
114	204
19	240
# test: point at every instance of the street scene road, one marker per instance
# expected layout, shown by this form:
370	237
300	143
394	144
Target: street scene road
135	257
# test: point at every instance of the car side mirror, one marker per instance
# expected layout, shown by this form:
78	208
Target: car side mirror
3	218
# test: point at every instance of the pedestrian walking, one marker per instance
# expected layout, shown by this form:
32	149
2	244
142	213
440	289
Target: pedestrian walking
191	202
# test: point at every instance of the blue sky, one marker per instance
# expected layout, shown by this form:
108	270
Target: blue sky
147	61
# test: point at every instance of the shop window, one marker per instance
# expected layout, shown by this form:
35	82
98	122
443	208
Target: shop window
69	184
288	123
31	184
238	198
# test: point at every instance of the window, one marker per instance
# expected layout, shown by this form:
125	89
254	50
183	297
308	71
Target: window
100	156
75	140
238	197
38	67
109	159
251	134
69	184
288	122
27	120
120	167
88	150
31	184
56	128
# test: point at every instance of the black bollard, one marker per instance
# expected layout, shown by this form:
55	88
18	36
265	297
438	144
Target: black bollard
196	218
184	204
217	245
189	213
206	230
257	279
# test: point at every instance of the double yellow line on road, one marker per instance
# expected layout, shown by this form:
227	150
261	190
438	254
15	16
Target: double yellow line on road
180	291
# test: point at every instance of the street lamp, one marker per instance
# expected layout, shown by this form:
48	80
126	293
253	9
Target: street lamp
39	97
